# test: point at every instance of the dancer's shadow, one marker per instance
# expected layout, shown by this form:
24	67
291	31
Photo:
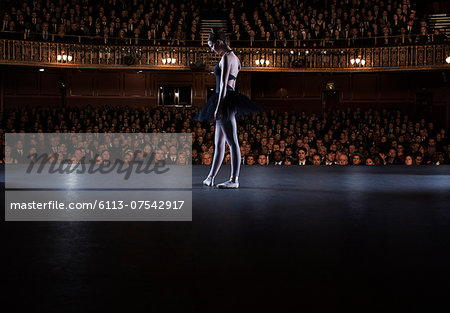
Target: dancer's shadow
278	188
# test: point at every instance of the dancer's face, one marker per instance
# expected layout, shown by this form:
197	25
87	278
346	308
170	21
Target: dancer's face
215	46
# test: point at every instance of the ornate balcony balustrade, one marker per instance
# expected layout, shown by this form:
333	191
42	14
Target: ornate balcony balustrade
79	55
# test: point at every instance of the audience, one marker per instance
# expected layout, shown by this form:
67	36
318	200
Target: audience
306	23
86	148
111	22
350	137
316	23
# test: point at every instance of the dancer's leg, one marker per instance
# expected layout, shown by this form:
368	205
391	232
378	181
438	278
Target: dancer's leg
219	149
230	130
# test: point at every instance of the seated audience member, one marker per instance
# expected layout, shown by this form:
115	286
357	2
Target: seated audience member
250	160
369	161
262	160
343	159
316	159
301	154
357	159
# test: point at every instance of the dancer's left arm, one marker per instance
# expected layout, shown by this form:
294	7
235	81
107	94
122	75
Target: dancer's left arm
225	73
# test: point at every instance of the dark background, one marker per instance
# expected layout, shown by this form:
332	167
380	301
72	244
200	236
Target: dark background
420	93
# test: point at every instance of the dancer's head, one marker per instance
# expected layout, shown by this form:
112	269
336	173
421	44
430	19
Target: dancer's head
217	41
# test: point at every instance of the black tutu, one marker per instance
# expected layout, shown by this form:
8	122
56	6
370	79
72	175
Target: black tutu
234	102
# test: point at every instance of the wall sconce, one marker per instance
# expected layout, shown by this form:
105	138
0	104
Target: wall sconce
169	60
262	62
64	58
358	61
447	60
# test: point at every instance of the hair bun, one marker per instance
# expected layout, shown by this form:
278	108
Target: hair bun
217	30
217	34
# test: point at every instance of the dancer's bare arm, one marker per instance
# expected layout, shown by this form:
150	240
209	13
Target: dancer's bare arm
225	73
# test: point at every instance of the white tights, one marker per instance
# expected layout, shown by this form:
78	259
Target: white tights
226	131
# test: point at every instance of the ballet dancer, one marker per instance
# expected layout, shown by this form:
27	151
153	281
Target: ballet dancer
223	107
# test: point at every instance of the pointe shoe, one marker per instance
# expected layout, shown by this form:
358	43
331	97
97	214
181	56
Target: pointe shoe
209	181
229	184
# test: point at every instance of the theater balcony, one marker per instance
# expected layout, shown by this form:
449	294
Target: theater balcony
197	56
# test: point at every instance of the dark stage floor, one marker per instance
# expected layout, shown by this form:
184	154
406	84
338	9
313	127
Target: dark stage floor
291	239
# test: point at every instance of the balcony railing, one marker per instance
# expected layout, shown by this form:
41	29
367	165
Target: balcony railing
326	42
79	55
